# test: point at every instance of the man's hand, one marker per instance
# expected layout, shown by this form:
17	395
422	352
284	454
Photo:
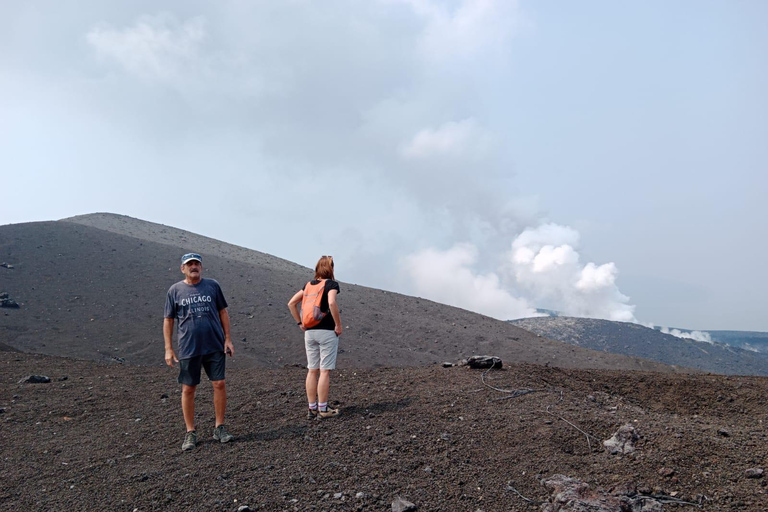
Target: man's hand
229	349
338	330
170	358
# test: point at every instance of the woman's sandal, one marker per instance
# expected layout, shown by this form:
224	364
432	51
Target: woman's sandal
330	413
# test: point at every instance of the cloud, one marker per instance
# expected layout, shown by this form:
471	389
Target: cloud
155	48
378	106
469	28
462	139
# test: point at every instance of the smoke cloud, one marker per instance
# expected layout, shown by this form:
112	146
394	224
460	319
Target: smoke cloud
449	277
542	270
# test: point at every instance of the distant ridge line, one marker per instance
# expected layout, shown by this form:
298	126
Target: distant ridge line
168	235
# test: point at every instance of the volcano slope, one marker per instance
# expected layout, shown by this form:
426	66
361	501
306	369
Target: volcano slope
94	288
107	437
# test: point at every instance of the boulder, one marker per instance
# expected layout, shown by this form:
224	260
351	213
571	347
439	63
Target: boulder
35	379
482	362
623	441
573	495
7	302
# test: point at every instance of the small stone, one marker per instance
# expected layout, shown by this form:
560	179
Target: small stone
447	364
723	432
754	473
244	508
360	495
35	379
337	495
401	505
666	472
163	396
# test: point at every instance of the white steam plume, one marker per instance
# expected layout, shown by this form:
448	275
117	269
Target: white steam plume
547	271
692	335
543	270
448	277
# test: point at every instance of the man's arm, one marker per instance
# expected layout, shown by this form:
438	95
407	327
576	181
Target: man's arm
170	355
229	349
334	307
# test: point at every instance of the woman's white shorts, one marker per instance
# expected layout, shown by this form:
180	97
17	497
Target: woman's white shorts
322	346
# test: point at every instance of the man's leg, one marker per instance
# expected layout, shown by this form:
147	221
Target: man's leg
219	400
188	405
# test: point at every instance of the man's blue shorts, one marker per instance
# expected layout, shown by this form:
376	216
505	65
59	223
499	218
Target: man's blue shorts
214	364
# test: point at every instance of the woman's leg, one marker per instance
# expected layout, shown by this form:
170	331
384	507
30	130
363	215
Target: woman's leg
312	386
323	386
313	363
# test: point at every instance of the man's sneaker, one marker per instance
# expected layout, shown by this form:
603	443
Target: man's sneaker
220	434
329	413
190	441
311	414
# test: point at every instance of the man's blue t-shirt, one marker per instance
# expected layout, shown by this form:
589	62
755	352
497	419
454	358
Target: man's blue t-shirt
195	310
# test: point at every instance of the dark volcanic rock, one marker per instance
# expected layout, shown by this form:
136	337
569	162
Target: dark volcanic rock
35	379
482	362
7	302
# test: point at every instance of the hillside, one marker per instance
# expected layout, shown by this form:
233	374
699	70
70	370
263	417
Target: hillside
639	341
93	287
748	340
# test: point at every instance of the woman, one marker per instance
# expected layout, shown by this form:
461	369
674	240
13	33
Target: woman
321	341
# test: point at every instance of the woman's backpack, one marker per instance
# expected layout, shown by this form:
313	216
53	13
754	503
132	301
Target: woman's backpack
311	315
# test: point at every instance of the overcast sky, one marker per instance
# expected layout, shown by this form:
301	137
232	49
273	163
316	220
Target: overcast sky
598	158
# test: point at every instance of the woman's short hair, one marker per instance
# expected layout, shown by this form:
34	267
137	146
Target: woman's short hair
324	268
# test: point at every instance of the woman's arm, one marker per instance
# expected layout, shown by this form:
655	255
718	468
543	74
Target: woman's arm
293	306
334	307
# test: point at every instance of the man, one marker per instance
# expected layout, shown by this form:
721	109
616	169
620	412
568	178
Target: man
203	335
